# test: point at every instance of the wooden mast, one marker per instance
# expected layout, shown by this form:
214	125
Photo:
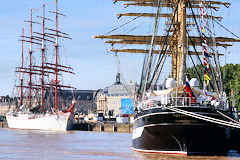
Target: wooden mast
30	62
45	68
43	50
182	42
178	41
21	77
56	60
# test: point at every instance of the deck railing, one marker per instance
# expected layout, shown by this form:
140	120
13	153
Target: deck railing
182	101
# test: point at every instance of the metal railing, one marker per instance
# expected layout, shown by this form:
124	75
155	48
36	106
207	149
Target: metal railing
182	101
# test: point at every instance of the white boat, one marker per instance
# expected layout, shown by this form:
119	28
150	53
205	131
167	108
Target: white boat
42	103
52	122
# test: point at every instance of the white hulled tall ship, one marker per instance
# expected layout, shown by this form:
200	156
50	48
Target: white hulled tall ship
188	118
41	105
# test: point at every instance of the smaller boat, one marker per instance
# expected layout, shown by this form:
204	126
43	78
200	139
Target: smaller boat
42	104
56	121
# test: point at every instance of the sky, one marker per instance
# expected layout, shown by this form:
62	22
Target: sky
95	68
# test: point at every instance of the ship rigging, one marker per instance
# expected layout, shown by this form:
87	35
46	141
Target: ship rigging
41	76
184	117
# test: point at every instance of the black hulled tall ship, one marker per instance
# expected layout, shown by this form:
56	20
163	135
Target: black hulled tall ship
184	117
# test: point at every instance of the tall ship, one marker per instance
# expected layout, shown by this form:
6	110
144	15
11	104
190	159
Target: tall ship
180	117
41	104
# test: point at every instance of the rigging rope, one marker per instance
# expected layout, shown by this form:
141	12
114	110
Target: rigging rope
160	67
228	117
216	60
205	118
162	55
148	65
226	28
194	17
124	81
122	25
134	28
196	69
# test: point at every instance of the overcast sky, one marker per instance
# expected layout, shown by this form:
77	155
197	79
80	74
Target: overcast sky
94	67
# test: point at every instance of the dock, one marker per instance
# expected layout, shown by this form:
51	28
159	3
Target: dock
3	125
95	127
104	127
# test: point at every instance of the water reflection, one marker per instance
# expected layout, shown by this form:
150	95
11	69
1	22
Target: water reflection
26	144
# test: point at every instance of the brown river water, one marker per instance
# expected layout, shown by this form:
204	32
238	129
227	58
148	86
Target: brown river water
77	145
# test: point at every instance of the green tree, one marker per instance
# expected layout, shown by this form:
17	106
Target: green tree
191	72
231	80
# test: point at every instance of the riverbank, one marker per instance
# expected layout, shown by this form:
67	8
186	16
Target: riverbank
95	127
3	125
104	127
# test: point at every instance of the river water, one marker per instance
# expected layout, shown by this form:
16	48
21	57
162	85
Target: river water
71	145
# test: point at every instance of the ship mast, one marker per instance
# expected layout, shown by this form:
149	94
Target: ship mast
181	44
56	60
30	69
56	67
43	50
21	77
44	68
176	40
30	62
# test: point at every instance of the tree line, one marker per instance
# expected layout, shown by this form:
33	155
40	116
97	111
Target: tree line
231	81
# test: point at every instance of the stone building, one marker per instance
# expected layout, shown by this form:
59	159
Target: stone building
102	104
85	103
109	99
6	104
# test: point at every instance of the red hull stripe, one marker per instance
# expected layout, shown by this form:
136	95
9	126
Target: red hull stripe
161	152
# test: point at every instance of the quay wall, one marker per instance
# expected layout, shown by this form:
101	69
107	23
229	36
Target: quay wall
100	127
120	128
3	125
95	127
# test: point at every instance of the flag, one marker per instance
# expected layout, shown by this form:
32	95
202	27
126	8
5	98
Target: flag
202	1
206	54
202	5
204	40
206	77
203	30
203	11
189	90
205	62
207	70
205	49
203	19
204	44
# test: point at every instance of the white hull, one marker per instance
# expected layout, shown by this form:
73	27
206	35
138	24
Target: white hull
52	122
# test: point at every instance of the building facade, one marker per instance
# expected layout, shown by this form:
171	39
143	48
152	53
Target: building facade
85	103
109	100
6	105
102	104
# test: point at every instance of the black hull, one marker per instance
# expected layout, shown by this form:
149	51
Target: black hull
163	131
